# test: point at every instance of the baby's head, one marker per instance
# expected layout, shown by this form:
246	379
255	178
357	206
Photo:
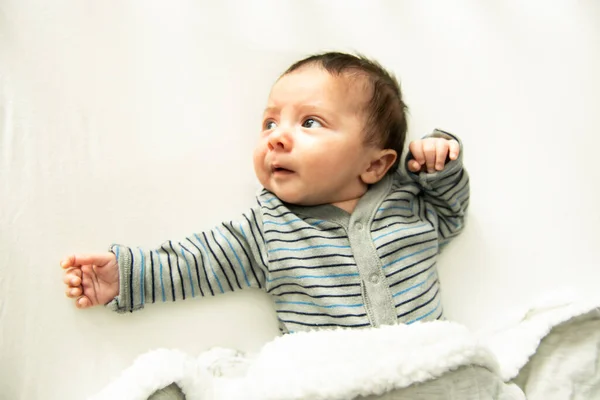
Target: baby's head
334	124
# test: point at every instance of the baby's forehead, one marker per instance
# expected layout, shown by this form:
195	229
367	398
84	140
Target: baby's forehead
350	89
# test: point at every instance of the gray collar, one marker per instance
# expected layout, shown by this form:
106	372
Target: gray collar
365	209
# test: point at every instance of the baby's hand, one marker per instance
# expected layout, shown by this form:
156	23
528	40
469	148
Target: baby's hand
91	279
431	154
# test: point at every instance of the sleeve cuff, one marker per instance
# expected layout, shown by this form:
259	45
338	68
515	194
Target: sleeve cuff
123	302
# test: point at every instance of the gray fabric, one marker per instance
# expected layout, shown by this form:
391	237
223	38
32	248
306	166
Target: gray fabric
465	383
376	293
171	392
566	365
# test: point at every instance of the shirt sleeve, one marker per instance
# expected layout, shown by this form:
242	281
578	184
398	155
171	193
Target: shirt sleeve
445	193
229	257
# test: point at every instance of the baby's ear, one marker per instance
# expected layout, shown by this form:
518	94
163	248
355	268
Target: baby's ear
379	166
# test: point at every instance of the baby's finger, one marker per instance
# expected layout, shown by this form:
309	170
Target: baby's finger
454	149
441	149
72	280
67	262
416	149
429	151
72	273
83	302
73	292
77	260
414	166
74	261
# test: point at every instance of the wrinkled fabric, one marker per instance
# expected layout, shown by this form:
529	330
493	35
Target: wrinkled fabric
554	351
566	365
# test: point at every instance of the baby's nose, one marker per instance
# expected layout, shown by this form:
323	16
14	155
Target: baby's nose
280	140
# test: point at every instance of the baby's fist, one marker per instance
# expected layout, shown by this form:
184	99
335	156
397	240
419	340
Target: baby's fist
91	279
431	154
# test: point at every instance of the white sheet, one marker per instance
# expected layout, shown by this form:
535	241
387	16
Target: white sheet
133	121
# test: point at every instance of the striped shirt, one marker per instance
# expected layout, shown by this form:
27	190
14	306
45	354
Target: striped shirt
323	266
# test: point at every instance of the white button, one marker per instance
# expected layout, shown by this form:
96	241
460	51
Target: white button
359	226
375	278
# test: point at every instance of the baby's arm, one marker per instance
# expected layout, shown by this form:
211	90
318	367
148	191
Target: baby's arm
435	163
226	258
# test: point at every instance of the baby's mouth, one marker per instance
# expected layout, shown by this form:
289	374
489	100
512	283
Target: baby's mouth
280	170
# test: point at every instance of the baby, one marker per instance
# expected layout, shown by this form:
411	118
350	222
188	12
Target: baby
339	236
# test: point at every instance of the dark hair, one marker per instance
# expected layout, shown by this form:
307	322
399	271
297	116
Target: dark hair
386	111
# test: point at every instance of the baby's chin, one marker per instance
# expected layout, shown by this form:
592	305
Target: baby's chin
293	194
299	199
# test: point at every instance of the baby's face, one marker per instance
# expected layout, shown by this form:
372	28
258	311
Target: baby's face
311	149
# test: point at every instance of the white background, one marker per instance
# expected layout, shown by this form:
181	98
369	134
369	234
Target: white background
134	121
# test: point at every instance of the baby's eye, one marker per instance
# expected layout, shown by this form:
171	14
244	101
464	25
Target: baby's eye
311	123
270	125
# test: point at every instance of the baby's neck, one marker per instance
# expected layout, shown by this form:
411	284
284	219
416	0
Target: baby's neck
347	205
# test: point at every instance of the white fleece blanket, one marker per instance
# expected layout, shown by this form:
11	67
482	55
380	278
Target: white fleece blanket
348	364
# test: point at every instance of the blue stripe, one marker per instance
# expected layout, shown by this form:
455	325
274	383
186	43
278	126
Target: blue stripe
425	315
451	220
409	255
243	233
308	303
236	256
398	230
162	285
317	222
394	207
271	199
311	276
142	275
281	223
414	286
210	264
320	246
189	272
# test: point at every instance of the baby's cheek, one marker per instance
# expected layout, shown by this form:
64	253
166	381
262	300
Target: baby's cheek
258	159
258	155
330	157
